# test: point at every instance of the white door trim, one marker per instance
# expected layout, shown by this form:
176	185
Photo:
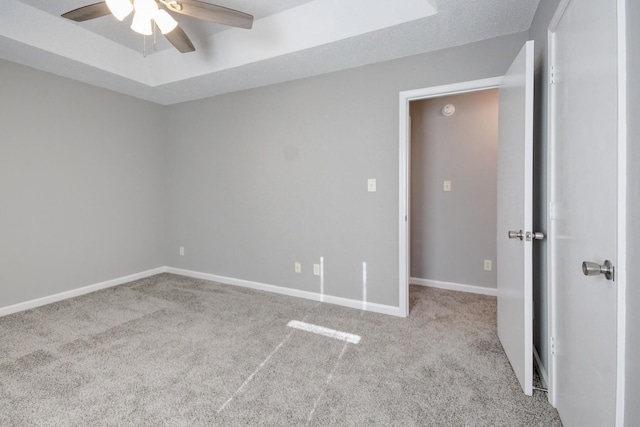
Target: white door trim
551	288
404	134
621	270
621	267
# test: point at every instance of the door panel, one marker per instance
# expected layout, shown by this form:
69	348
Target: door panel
515	187
583	217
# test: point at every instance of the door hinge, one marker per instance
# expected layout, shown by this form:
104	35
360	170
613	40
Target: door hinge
552	74
552	345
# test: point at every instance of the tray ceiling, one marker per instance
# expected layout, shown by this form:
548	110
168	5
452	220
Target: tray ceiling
290	39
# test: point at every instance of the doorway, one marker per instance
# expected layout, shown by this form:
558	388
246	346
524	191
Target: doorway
405	100
453	196
514	208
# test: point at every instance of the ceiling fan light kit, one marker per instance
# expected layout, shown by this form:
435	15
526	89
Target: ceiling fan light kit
145	8
147	13
141	24
120	8
165	22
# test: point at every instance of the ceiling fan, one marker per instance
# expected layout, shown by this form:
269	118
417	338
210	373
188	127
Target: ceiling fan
147	13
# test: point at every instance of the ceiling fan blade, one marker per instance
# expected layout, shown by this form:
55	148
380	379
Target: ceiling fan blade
210	12
85	13
179	39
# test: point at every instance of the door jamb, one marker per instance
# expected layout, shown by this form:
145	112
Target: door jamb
404	131
551	288
621	270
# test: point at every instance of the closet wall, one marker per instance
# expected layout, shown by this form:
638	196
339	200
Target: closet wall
454	232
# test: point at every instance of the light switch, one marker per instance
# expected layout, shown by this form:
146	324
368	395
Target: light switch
371	185
446	186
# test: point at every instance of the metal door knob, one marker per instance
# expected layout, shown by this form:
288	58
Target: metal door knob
530	235
595	269
516	234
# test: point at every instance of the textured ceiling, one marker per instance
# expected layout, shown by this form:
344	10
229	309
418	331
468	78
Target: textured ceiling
290	39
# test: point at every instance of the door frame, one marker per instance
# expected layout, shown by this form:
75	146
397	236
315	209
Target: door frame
405	149
621	267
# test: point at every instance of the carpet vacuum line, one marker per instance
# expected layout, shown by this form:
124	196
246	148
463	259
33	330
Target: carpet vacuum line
254	373
248	380
326	384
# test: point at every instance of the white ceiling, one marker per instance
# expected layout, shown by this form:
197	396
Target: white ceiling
290	39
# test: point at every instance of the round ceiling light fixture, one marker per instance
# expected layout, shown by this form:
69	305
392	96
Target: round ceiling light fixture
448	110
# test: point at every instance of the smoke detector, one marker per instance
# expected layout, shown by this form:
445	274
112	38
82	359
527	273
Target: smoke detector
448	110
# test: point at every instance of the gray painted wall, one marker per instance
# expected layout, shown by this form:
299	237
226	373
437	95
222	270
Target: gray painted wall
452	233
260	179
80	185
632	409
538	32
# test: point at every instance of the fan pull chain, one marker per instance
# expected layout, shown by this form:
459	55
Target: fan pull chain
154	35
144	46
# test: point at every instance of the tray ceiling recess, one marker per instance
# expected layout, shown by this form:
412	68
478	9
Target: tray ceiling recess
289	39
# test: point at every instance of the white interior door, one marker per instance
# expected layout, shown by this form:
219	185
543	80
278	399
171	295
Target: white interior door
584	208
515	188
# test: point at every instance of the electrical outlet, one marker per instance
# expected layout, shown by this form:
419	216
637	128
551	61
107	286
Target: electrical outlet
487	265
298	267
181	250
316	269
446	186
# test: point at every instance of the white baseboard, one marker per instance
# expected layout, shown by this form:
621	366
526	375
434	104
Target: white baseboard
369	306
77	292
314	296
473	289
541	370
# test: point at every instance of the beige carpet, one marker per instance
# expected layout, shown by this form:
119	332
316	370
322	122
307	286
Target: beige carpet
169	350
